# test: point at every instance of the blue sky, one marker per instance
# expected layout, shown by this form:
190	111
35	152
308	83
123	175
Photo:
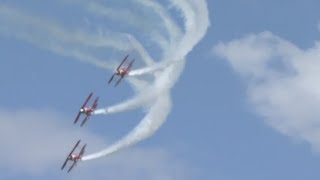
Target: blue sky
234	115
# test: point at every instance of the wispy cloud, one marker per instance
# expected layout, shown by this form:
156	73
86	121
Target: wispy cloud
50	35
282	82
124	16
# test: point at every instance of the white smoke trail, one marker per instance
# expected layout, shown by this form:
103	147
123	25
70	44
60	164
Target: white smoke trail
172	28
149	93
149	69
141	50
156	116
197	22
164	81
151	122
195	30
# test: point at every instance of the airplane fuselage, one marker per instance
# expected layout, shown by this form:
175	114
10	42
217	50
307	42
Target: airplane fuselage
74	157
86	110
122	72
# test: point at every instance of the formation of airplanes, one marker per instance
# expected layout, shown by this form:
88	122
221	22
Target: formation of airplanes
87	111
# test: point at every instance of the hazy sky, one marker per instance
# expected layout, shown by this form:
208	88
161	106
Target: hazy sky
244	108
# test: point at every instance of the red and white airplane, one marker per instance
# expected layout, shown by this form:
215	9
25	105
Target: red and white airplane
121	71
74	157
88	111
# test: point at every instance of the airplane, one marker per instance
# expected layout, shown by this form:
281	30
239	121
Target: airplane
74	157
88	111
121	71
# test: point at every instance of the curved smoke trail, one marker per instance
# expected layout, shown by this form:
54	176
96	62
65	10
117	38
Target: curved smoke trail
84	45
175	43
196	21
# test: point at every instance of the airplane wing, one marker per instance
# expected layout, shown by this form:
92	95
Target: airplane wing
64	164
84	120
118	68
94	106
111	78
118	81
88	98
95	103
123	61
130	65
71	167
77	118
82	150
84	105
81	154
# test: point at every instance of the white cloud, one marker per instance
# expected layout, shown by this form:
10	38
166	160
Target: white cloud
282	82
35	143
